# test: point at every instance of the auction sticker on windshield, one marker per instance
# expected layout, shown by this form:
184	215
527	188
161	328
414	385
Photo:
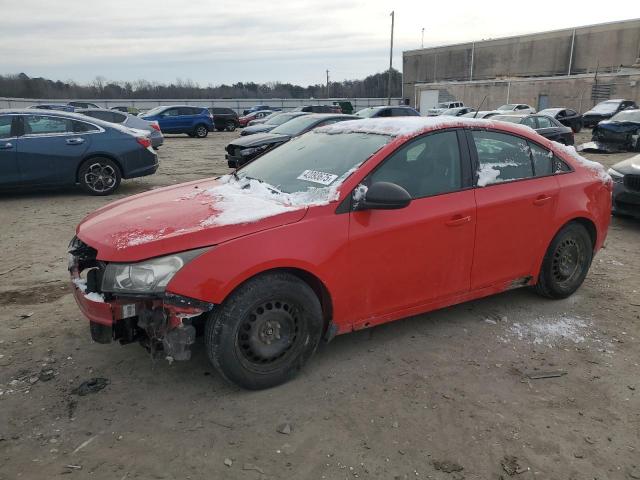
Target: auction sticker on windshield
317	177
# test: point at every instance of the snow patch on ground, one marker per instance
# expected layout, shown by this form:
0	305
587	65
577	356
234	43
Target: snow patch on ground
81	283
551	331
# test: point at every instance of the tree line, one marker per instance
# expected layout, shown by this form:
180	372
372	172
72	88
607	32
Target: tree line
23	86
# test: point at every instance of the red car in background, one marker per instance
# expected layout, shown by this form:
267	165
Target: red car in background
245	119
343	228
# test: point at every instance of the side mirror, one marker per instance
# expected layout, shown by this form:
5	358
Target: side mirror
384	196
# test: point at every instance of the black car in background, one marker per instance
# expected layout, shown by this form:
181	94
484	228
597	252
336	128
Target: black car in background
272	121
386	111
257	108
245	149
83	105
319	109
224	118
621	132
546	126
626	187
566	116
605	110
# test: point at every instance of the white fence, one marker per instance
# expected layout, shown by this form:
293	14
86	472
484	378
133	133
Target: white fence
238	104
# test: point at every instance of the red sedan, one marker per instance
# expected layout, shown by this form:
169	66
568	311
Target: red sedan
346	227
245	119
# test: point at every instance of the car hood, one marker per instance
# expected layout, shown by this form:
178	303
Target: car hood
619	127
179	218
258	128
630	166
259	139
592	113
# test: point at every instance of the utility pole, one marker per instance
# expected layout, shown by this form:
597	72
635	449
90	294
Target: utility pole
390	61
327	83
422	44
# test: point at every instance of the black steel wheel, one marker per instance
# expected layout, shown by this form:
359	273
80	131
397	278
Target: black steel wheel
99	176
201	131
566	262
266	330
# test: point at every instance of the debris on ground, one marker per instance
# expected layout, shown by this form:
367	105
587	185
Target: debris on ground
228	462
511	465
447	466
92	385
250	466
284	428
541	375
46	375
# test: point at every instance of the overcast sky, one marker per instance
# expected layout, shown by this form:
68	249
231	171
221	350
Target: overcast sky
222	41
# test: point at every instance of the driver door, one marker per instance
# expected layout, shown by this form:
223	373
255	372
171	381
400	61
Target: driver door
399	259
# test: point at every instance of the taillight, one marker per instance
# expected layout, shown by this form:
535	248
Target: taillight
155	126
145	142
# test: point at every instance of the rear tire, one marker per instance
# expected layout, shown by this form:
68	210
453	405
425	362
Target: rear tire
201	131
265	331
566	263
99	176
231	126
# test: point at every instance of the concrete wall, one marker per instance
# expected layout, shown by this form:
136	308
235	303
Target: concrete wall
573	92
605	47
238	104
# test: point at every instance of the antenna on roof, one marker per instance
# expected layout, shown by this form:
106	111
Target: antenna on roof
480	106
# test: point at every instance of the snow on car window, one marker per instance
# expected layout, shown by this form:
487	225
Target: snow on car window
501	157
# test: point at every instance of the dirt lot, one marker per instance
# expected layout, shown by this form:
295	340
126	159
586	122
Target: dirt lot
448	395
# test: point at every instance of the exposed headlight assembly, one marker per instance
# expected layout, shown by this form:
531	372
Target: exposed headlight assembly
616	176
148	276
253	150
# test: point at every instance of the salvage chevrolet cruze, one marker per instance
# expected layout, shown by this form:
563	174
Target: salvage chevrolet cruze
346	227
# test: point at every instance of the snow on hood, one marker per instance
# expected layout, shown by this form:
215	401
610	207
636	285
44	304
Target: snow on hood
406	126
249	200
595	167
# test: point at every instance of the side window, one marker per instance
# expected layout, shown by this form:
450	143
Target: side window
171	112
427	166
545	122
501	157
118	117
185	111
542	160
80	127
530	122
386	112
5	126
41	125
559	166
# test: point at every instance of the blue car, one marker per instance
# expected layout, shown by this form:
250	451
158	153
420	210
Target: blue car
52	148
194	121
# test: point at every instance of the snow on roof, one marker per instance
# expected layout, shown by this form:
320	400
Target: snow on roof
408	126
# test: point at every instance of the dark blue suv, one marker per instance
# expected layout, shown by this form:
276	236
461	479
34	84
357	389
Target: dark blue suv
194	121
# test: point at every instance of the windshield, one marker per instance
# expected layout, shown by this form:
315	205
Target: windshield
367	112
281	118
451	111
508	106
314	160
443	105
296	126
606	107
627	116
507	118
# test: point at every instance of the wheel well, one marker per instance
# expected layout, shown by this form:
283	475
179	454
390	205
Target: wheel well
113	159
590	226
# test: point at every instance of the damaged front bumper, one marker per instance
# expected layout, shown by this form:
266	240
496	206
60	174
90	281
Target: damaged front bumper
162	323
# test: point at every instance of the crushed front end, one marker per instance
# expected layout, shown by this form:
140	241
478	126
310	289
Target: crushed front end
128	302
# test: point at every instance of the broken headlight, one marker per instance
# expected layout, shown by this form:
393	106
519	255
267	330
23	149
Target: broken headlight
149	276
616	176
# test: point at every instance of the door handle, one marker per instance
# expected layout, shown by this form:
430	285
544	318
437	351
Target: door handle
458	220
6	146
75	141
541	200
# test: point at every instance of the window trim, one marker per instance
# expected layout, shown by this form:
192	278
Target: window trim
20	127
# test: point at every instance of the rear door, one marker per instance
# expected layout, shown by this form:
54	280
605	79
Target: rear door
51	148
9	171
516	199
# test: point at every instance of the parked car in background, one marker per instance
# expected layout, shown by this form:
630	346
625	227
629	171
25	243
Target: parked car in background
125	109
319	109
82	104
620	132
224	118
347	227
273	121
151	128
257	108
258	121
194	121
626	187
345	106
387	111
481	114
245	149
457	111
54	106
515	109
605	110
244	120
54	148
546	126
566	116
442	106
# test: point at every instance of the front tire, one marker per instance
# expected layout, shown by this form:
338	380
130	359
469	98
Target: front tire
99	176
201	131
231	126
266	330
566	262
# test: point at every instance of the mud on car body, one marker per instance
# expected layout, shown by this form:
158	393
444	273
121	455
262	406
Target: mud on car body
346	227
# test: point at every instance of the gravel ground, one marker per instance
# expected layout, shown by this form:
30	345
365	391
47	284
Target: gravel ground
448	395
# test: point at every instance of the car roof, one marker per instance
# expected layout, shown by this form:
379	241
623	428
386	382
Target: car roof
60	113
